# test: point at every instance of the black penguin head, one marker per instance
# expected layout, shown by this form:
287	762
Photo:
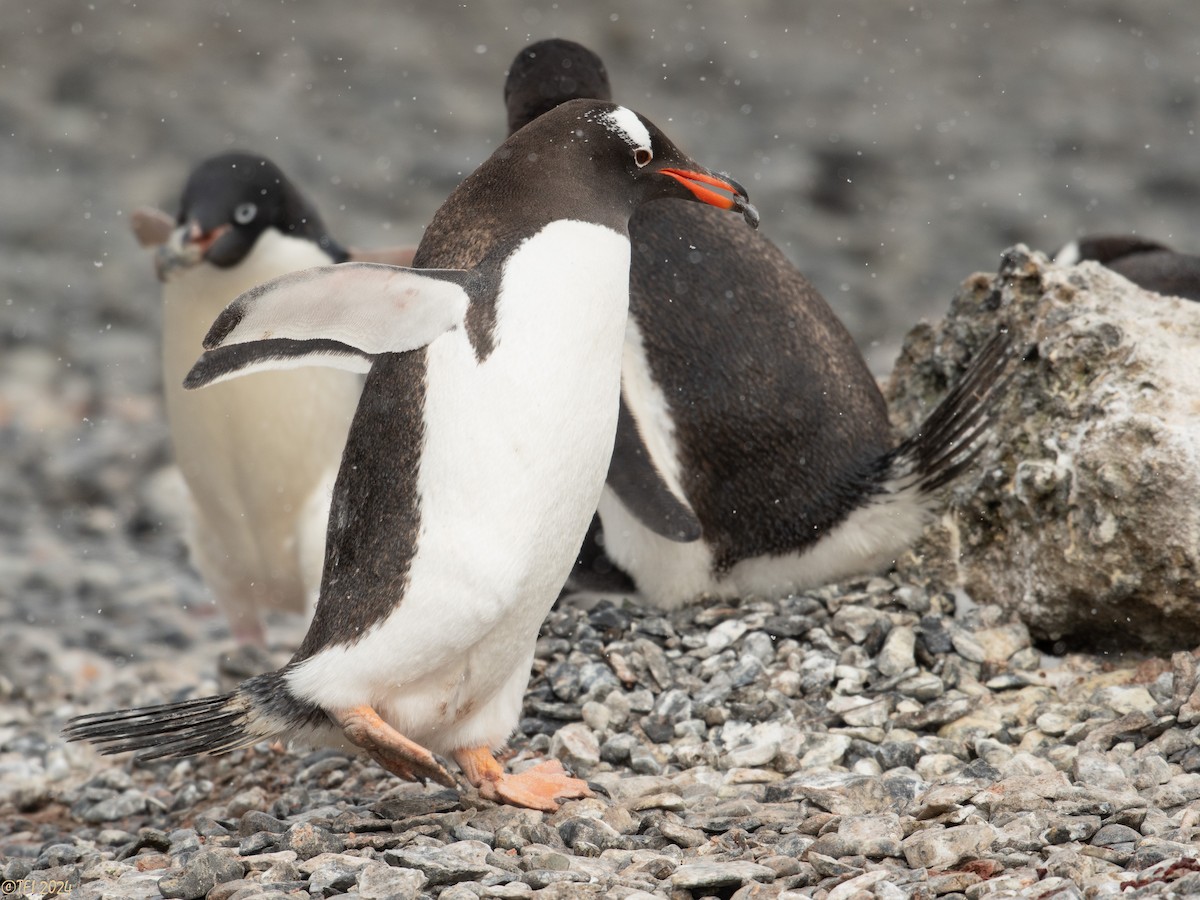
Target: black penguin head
550	72
1106	248
231	199
621	159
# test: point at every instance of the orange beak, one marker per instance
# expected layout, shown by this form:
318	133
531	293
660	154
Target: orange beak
695	181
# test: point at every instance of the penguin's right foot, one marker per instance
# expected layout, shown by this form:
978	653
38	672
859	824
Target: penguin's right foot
364	728
540	787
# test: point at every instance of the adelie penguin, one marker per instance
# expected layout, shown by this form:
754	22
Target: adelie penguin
258	456
1148	264
754	402
474	463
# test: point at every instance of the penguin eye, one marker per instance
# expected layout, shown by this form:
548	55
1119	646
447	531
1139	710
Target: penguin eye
642	156
245	213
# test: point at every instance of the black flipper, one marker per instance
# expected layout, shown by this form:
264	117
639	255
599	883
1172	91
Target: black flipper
640	486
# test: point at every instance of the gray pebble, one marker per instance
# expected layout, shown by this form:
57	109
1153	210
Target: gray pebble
309	840
872	836
255	821
377	881
942	848
334	875
461	861
897	653
111	809
576	745
714	875
201	873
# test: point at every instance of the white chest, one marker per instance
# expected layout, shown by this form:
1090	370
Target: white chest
514	458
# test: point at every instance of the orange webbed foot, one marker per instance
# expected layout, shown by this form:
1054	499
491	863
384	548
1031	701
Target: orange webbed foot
388	747
538	787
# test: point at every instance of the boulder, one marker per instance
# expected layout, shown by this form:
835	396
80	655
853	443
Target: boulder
1082	515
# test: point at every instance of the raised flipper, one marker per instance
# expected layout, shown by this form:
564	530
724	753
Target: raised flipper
152	227
341	316
393	256
640	486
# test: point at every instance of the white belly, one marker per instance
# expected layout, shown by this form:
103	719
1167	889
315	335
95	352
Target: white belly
516	451
257	453
670	574
667	573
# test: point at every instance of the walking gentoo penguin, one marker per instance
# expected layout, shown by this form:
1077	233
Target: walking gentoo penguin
474	463
754	401
1148	264
258	456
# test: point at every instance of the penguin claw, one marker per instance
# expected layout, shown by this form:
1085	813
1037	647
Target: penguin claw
538	787
364	728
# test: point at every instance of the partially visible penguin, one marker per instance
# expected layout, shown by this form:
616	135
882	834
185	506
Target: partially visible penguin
1148	264
474	463
258	455
753	400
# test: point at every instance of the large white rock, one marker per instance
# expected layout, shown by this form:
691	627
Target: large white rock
1083	516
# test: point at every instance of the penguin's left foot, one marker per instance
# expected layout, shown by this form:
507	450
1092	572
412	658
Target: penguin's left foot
388	747
539	787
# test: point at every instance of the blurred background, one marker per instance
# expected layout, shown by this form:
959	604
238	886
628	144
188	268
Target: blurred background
892	150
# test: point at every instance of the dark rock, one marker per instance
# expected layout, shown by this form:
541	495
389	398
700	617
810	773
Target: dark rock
256	820
418	803
894	754
577	830
259	842
658	728
201	873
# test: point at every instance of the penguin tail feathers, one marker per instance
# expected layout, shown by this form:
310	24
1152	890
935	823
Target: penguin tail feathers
259	709
954	434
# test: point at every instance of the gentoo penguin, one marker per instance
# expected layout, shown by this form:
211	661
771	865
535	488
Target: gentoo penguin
474	463
1148	264
258	456
754	401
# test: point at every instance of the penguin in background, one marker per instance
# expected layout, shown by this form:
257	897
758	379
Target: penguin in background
754	404
258	456
1148	264
474	463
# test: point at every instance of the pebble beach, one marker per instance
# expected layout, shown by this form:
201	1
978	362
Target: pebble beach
886	737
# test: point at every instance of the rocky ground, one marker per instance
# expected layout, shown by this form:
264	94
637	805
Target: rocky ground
874	739
883	738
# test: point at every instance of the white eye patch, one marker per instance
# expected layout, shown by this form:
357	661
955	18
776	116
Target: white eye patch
625	123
